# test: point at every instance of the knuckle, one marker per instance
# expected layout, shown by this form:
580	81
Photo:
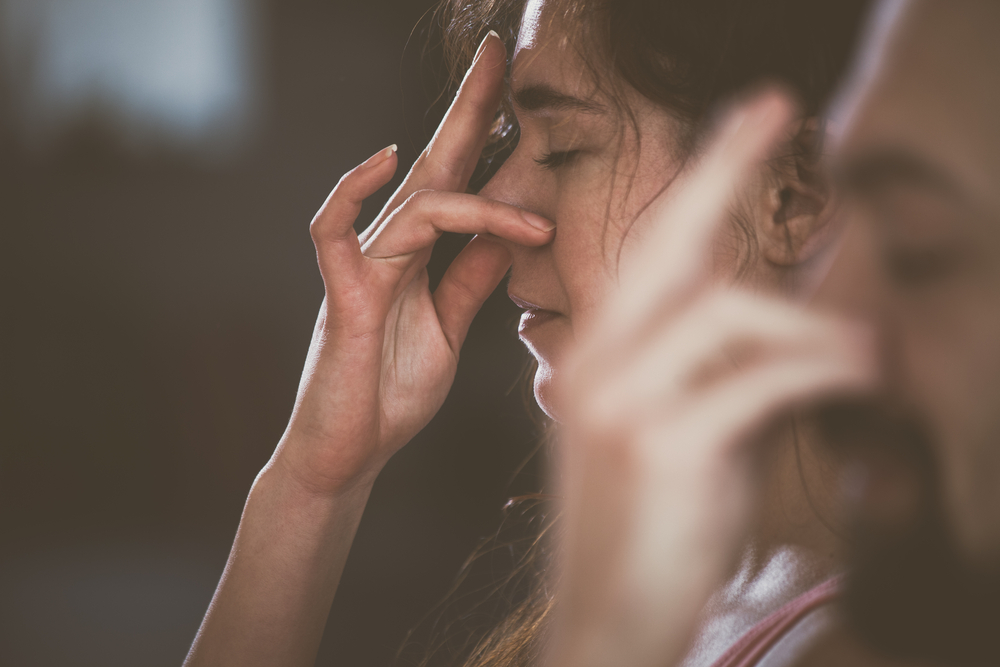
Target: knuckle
318	226
321	230
420	200
441	167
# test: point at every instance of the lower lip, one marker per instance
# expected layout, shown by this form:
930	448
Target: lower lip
533	318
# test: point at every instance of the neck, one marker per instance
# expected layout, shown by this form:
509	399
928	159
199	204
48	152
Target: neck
793	548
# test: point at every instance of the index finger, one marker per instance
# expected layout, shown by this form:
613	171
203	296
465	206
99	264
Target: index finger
448	161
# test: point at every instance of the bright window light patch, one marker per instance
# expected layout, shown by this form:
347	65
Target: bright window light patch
175	71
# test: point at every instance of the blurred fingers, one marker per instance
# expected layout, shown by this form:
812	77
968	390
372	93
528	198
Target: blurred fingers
716	340
676	258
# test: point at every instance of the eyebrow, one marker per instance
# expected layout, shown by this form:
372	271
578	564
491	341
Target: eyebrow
876	170
541	97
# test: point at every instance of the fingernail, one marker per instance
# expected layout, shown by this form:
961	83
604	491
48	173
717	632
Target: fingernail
380	157
482	45
537	221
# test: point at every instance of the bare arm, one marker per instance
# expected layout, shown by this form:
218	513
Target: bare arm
382	359
272	603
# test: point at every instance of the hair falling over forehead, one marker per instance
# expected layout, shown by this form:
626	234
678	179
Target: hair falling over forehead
684	55
688	57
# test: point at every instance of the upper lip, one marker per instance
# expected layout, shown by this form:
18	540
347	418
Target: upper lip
527	305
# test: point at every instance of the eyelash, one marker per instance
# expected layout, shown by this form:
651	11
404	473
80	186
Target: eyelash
556	159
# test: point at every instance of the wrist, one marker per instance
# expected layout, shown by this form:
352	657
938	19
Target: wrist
281	479
322	466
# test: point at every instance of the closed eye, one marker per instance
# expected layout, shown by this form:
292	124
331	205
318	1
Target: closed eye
556	159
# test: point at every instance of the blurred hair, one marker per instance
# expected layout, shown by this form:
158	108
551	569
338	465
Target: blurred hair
688	57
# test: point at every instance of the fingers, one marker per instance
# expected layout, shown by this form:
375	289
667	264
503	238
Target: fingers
466	285
682	502
677	256
718	337
418	223
718	424
332	228
452	155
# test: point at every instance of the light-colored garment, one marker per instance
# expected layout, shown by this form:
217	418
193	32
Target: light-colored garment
800	619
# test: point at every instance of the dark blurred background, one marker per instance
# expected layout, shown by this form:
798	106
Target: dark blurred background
159	164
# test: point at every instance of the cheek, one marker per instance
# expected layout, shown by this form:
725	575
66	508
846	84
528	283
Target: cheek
951	363
583	257
588	245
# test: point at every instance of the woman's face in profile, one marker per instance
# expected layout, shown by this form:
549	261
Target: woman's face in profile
579	164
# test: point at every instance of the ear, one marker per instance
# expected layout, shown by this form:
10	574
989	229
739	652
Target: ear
797	202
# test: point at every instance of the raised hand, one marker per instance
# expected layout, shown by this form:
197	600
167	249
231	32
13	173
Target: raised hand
382	359
664	399
385	350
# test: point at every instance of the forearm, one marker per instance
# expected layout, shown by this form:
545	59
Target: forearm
274	597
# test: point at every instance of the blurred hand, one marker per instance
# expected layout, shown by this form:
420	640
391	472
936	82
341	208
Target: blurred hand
385	349
664	398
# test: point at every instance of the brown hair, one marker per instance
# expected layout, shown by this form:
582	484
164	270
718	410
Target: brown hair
687	56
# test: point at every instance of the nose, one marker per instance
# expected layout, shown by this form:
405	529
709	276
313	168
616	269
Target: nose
519	183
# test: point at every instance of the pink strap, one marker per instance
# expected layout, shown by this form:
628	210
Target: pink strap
752	646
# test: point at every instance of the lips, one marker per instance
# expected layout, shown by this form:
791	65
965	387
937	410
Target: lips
525	305
534	315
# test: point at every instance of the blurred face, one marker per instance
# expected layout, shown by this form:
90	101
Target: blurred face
920	160
921	155
578	164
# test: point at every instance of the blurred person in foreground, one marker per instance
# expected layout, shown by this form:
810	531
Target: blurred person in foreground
920	268
921	161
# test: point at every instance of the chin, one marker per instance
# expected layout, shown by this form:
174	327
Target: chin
544	389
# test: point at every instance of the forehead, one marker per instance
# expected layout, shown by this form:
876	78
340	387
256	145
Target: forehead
543	53
531	25
928	87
